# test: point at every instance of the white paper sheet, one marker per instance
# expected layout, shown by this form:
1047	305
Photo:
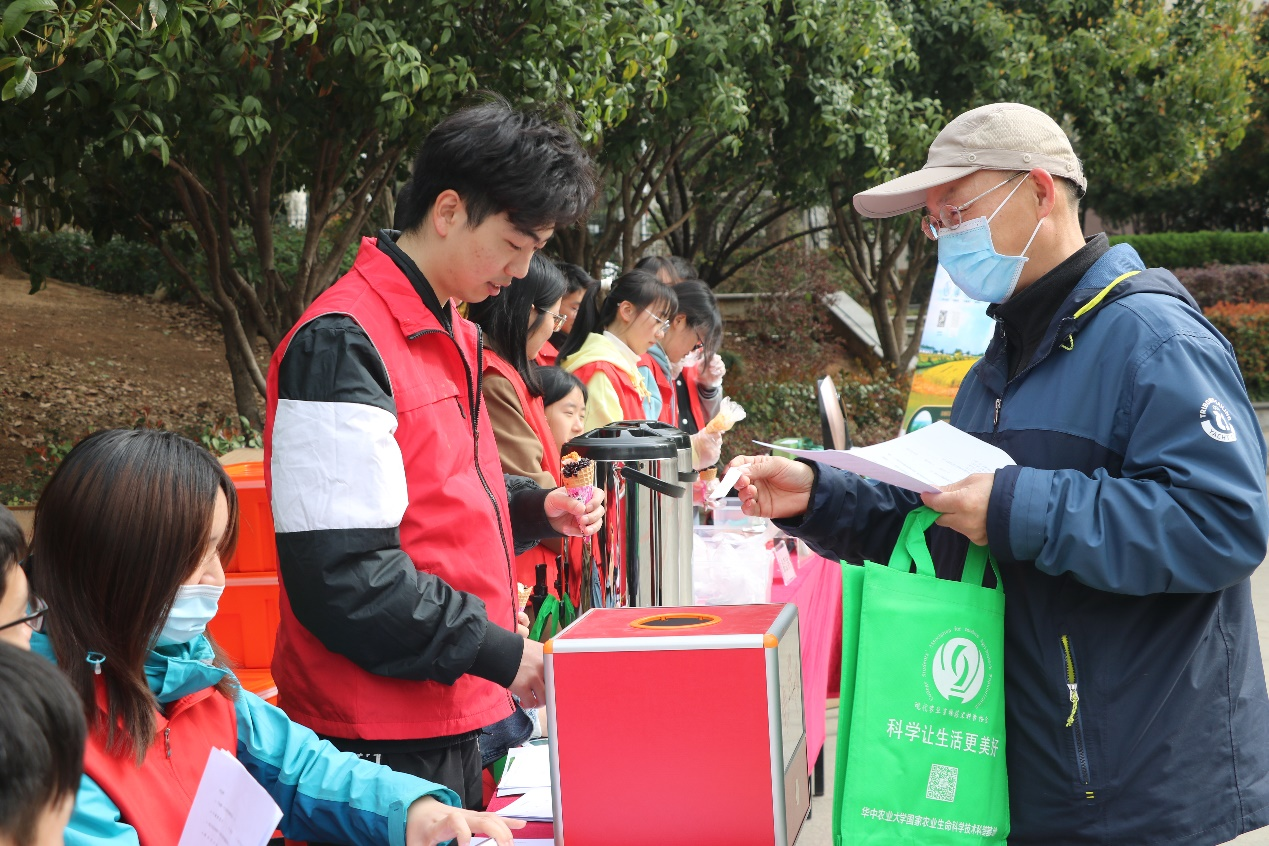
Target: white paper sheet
230	807
534	806
923	461
528	767
729	481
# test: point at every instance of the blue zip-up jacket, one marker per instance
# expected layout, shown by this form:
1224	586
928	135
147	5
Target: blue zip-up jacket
324	794
1126	535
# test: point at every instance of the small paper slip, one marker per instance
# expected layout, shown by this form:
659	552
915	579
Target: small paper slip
230	807
939	454
528	767
729	481
534	806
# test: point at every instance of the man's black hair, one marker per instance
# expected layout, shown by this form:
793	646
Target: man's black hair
577	278
527	163
41	741
12	545
511	317
558	383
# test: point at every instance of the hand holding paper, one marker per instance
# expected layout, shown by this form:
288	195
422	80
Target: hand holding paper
924	461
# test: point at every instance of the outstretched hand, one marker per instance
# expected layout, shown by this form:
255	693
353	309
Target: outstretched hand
773	487
570	516
430	823
963	506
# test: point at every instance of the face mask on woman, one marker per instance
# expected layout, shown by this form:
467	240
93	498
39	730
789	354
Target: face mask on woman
192	609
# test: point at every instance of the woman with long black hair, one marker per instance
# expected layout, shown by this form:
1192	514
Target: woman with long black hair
127	549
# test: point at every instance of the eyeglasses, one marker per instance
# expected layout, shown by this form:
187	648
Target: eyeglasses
950	216
558	318
35	611
663	323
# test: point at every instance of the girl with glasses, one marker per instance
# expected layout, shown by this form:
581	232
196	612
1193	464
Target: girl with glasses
129	538
20	612
695	332
612	331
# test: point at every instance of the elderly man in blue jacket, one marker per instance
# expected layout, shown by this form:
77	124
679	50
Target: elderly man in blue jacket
1129	529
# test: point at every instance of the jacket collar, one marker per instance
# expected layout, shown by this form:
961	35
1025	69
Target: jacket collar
397	279
172	672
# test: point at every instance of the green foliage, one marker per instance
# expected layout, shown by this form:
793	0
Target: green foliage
1246	326
230	434
118	266
1198	249
41	463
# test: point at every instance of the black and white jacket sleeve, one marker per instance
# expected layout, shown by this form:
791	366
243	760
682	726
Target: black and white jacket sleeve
339	493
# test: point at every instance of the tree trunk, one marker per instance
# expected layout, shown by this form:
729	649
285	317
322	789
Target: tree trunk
246	396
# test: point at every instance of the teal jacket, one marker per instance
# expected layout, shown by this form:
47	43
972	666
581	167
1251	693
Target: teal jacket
324	794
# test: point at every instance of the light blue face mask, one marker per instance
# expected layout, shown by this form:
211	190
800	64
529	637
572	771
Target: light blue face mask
970	258
192	609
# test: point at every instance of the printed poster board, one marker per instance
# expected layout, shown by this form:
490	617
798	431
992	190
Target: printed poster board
956	333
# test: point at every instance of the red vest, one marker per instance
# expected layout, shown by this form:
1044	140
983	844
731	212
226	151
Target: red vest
155	798
547	356
692	378
535	415
670	397
451	526
627	393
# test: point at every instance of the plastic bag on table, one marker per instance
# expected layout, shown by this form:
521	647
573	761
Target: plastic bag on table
730	567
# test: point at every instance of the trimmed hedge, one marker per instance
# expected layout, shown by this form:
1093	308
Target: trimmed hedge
117	266
1198	249
1246	325
1226	283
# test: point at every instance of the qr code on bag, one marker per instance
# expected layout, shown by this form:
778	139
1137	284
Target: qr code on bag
942	784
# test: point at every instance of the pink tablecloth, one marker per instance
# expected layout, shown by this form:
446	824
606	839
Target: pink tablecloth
817	592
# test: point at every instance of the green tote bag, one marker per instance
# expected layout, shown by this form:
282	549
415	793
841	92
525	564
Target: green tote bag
921	727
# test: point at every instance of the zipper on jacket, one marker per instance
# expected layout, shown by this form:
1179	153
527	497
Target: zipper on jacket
1073	721
474	399
462	412
167	740
995	420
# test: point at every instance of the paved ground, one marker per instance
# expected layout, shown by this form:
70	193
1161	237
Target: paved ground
817	831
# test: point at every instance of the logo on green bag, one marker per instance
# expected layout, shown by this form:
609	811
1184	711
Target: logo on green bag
959	665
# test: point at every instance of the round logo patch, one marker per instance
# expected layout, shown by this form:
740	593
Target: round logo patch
958	669
1216	421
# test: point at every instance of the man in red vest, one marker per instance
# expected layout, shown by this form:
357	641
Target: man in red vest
396	527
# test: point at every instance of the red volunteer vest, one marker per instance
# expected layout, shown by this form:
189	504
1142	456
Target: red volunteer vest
692	378
451	527
155	798
670	397
535	415
627	394
547	356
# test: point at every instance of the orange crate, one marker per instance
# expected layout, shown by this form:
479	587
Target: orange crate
257	550
259	682
246	622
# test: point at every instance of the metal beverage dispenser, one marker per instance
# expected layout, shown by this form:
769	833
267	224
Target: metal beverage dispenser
684	507
636	562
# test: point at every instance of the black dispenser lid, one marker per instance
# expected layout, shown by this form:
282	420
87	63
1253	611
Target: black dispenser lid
681	439
626	441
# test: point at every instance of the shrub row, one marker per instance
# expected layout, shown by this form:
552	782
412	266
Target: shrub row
137	267
1246	325
1226	283
1198	249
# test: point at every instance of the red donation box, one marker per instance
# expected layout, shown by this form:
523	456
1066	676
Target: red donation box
678	725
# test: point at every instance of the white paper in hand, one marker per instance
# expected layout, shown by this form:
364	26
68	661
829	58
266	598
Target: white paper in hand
923	461
729	481
230	807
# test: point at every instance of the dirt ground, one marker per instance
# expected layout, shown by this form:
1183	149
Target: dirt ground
74	360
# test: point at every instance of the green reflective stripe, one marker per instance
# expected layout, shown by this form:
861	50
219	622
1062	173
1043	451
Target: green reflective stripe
1101	295
1070	679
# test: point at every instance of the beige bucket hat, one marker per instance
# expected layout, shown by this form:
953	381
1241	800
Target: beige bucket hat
1002	136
